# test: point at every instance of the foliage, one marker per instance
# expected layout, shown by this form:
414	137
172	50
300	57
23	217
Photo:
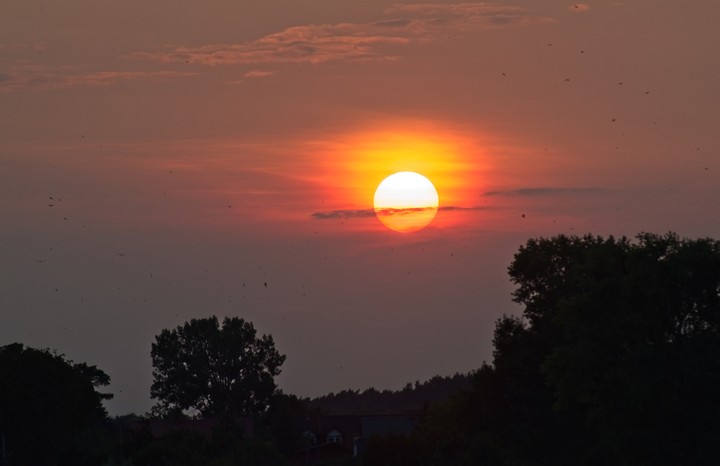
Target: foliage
615	360
50	410
412	398
177	448
225	447
215	370
390	451
279	424
628	338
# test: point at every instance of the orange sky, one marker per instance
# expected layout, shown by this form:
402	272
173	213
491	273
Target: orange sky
192	147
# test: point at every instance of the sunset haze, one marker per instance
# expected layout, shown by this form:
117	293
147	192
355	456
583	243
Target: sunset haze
166	160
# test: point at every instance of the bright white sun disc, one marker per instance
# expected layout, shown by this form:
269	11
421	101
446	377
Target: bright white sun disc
406	201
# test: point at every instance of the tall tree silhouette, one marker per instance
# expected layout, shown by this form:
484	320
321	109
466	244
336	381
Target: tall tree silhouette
217	370
615	360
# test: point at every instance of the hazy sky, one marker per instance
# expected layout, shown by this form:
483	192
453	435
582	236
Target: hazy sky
163	160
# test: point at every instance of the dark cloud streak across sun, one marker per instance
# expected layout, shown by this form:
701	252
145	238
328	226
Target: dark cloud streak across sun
363	213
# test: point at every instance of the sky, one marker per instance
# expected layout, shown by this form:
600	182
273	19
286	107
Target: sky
168	160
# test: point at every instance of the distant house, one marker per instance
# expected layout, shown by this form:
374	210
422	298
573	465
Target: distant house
337	436
334	436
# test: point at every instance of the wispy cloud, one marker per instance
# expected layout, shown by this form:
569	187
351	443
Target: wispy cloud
383	39
402	24
542	191
441	17
335	214
37	78
299	44
363	213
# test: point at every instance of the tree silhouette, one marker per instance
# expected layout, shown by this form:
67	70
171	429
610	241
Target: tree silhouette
49	407
216	370
615	360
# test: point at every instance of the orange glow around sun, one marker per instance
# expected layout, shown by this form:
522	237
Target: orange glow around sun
356	164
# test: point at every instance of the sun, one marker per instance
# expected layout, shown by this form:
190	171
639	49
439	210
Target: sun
406	202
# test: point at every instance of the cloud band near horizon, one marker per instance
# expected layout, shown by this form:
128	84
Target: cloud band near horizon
543	191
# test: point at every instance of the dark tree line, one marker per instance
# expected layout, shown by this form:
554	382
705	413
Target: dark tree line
615	360
52	415
413	398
